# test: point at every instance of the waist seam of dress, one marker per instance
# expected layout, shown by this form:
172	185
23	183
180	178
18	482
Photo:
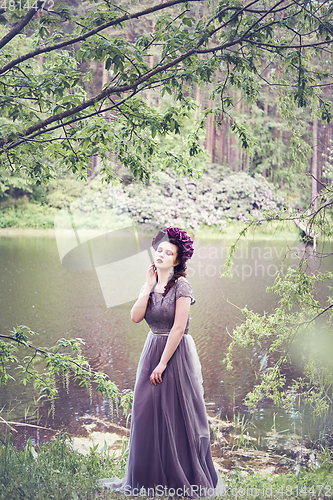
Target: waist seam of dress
165	333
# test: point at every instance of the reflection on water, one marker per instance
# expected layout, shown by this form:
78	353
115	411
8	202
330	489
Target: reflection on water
36	290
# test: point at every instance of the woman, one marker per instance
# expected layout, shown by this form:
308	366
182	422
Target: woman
170	439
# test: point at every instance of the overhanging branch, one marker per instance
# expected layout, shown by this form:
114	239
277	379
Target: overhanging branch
262	44
84	36
19	27
102	95
46	352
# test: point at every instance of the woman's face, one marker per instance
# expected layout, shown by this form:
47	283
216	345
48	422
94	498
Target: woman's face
166	255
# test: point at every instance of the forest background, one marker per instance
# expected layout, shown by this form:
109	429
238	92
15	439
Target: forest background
252	148
239	132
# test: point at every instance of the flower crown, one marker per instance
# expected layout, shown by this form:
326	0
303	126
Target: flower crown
184	241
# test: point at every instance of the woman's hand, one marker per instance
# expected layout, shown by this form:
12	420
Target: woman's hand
156	375
151	275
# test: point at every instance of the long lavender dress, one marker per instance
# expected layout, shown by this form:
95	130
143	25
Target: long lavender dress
170	439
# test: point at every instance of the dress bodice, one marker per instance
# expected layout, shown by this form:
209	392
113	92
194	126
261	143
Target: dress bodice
160	312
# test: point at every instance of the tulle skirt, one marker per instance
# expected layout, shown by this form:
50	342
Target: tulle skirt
169	451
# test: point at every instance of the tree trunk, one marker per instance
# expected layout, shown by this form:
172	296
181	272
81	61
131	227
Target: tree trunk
214	128
104	76
96	78
213	144
236	151
314	168
220	144
266	97
209	133
229	138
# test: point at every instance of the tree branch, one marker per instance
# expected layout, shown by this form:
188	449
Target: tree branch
262	44
24	424
102	95
19	27
313	15
44	351
60	125
92	32
319	314
239	12
262	17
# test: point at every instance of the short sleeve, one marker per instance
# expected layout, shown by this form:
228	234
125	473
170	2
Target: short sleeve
184	289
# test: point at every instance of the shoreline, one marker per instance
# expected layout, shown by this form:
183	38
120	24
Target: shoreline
26	231
231	232
231	449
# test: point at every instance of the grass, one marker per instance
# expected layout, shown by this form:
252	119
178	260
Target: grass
55	471
304	484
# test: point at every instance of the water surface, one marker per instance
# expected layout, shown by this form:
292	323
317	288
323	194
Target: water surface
36	290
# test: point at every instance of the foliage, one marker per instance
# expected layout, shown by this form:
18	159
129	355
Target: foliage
301	322
52	113
191	203
35	206
56	471
328	169
52	471
27	215
272	153
292	485
217	196
46	363
9	183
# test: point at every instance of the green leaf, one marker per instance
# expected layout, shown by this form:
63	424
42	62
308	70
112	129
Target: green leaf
188	21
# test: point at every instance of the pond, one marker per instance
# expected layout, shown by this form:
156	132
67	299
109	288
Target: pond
74	301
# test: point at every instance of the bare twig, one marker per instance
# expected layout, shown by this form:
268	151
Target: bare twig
24	424
7	423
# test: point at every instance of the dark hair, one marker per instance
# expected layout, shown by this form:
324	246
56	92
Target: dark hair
180	269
